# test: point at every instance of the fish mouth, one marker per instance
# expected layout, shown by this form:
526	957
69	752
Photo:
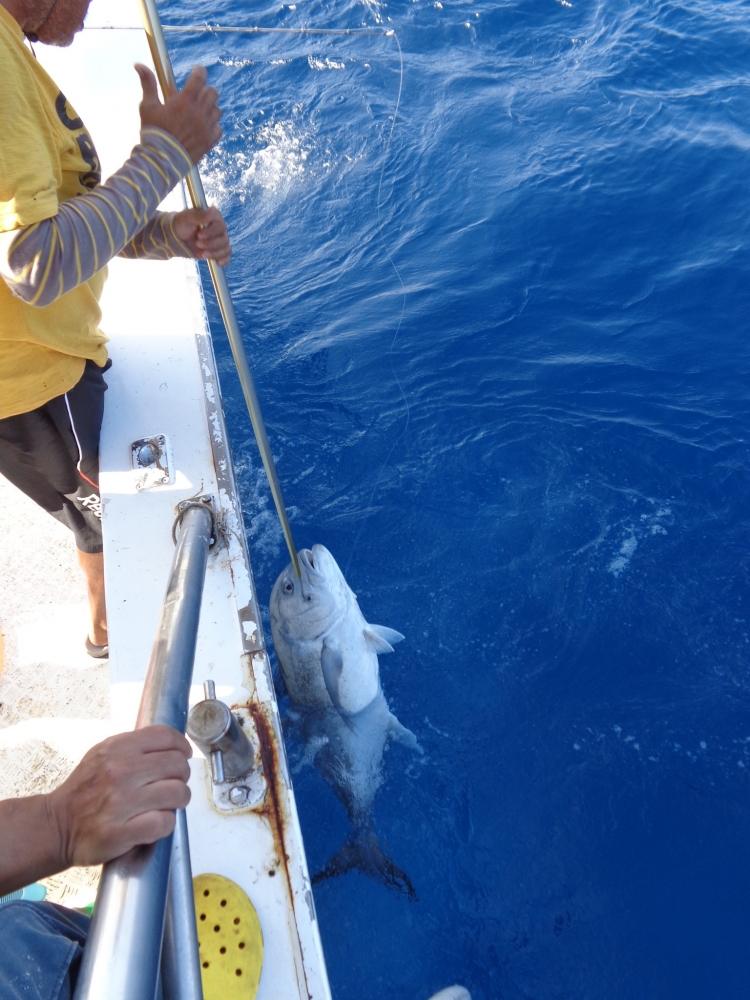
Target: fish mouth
316	560
307	559
308	572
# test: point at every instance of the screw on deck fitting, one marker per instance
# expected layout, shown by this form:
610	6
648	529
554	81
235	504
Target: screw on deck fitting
239	794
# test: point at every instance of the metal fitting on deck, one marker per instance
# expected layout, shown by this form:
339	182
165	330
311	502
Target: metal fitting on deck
215	729
200	500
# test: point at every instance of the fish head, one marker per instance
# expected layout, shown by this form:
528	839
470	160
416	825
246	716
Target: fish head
304	606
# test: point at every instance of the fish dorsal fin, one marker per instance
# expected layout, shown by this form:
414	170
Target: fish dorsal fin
381	638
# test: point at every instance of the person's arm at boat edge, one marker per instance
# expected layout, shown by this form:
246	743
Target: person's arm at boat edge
43	261
123	793
196	233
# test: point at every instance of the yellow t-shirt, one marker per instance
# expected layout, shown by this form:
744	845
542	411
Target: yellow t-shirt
46	157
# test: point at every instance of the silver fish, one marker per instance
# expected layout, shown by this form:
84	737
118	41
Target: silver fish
328	656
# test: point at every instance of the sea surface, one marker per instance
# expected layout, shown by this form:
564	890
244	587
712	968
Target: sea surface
491	264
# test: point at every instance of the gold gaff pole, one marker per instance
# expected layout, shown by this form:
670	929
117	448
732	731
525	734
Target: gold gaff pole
165	74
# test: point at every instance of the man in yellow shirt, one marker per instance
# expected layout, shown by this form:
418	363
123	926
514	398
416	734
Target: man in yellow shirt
59	226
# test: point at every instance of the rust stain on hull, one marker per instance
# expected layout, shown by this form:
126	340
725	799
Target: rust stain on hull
273	807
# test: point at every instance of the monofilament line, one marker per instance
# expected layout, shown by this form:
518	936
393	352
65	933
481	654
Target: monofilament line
389	32
238	29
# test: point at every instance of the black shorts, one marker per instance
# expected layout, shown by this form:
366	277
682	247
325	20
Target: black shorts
52	455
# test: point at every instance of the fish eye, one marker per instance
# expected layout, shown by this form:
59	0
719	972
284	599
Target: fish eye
288	587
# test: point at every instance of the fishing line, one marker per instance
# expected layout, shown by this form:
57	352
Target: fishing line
392	262
238	29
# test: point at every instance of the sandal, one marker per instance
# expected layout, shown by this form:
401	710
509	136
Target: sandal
98	652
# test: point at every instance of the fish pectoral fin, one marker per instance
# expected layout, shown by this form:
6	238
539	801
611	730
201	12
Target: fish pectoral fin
311	751
332	666
350	692
381	638
403	735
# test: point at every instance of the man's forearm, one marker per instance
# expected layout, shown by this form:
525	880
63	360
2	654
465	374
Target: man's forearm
30	843
44	261
156	241
124	792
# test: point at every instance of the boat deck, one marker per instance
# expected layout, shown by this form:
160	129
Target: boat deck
54	699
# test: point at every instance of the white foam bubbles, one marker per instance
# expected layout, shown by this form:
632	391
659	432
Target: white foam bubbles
265	536
280	159
316	63
653	523
236	62
622	560
375	10
273	164
654	743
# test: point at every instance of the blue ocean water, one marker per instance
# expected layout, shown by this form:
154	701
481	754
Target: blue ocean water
496	301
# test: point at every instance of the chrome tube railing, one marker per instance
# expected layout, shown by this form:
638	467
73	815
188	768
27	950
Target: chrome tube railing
122	955
180	967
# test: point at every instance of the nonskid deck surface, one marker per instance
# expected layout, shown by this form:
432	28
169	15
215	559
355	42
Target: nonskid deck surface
54	698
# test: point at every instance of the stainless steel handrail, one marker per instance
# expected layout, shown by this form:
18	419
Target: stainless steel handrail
122	955
180	969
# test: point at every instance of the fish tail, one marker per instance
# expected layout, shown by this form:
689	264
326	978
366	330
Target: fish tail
363	852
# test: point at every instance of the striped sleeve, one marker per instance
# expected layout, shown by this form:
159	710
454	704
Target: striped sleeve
42	262
157	241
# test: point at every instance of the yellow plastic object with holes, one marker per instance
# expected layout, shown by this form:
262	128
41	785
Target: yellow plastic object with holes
229	937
